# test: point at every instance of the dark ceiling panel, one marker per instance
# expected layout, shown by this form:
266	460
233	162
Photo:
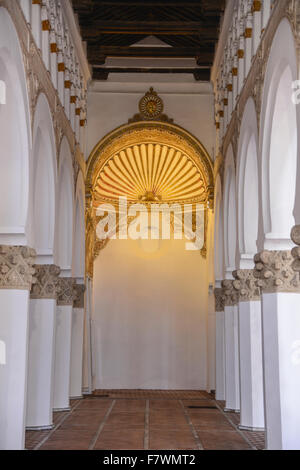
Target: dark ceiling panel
110	27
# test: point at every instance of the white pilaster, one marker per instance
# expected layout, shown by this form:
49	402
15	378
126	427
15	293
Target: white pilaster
77	343
220	346
251	370
41	353
250	349
36	22
15	283
281	348
63	335
232	379
87	356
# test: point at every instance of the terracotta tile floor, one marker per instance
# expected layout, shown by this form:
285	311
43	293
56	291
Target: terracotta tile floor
145	420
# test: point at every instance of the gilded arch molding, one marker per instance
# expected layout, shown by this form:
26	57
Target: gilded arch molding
151	135
151	132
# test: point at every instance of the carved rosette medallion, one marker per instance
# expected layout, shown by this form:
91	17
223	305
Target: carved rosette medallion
151	105
46	286
79	298
246	285
231	296
151	108
16	267
275	273
66	291
219	300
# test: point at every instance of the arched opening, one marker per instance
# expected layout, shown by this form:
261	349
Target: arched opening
14	136
79	231
142	287
64	232
230	229
248	190
2	92
279	141
219	234
44	182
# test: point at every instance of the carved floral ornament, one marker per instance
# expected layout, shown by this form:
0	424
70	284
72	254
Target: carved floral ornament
219	300
295	236
275	272
78	301
245	284
230	294
46	286
67	293
16	267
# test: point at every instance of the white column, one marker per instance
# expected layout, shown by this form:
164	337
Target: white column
42	348
36	22
87	351
281	347
60	76
220	345
77	342
15	283
241	57
61	400
53	50
248	43
266	13
26	7
232	388
232	375
45	37
250	348
257	24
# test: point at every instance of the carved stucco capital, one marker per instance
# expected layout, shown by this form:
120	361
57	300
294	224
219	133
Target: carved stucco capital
295	236
231	297
16	267
246	285
66	291
79	298
219	300
46	286
275	273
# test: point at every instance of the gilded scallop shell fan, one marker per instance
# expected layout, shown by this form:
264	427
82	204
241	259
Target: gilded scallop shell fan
150	173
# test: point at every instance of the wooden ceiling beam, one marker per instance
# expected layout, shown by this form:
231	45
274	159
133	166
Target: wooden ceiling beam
205	54
95	31
211	5
199	74
132	26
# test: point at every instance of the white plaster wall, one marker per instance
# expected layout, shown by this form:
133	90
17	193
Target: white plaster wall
150	317
111	104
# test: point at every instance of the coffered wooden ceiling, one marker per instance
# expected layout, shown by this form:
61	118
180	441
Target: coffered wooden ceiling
111	27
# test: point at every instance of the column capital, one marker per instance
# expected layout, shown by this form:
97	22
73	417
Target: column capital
16	267
79	296
219	299
246	285
46	286
275	273
66	291
295	236
231	297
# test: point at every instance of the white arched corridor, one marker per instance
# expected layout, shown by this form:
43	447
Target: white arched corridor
187	335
